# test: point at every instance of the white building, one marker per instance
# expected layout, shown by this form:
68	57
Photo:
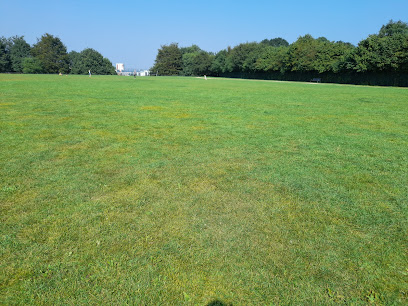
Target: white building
120	67
143	73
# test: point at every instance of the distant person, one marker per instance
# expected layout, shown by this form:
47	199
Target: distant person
89	73
134	74
205	77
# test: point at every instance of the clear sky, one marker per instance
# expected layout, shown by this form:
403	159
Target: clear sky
131	31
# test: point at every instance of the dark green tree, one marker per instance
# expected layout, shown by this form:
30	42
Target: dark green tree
341	50
31	65
302	54
218	65
272	59
385	52
196	61
168	60
108	67
254	53
240	58
379	54
275	42
315	55
189	63
329	54
19	50
191	49
402	54
75	62
5	61
89	59
394	28
52	53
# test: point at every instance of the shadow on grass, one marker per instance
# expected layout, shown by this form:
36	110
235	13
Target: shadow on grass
218	303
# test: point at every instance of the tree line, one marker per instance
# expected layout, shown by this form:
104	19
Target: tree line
380	59
49	55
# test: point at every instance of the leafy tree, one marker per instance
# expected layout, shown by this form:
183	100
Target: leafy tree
168	60
108	67
272	59
31	65
240	57
385	52
191	49
394	36
376	53
75	62
329	54
402	53
394	28
5	62
318	55
195	61
52	53
254	53
322	39
302	54
188	58
19	50
218	64
275	42
89	59
341	50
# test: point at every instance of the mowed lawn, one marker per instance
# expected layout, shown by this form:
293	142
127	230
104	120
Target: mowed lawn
162	190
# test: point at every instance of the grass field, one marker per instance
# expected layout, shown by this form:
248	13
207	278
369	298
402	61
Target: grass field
163	190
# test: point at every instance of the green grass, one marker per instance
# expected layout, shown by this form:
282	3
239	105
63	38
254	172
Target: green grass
183	191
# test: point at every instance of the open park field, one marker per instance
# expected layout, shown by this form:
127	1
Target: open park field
166	190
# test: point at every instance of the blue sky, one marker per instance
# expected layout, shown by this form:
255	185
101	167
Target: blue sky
132	31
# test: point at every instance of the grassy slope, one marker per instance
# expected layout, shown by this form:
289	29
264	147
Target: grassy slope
164	190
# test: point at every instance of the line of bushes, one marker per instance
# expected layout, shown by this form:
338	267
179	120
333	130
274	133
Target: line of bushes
380	59
49	55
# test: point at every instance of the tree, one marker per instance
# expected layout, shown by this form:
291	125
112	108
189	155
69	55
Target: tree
254	53
108	67
5	62
191	49
276	42
394	28
240	58
394	36
189	65
329	54
19	50
218	64
89	59
385	52
272	59
168	60
52	54
375	54
342	51
196	61
75	62
302	54
31	65
316	55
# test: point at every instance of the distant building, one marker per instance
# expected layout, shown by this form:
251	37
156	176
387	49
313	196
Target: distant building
120	70
143	73
120	67
125	73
